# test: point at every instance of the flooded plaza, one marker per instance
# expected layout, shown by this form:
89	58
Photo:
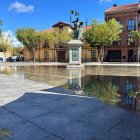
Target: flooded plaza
112	84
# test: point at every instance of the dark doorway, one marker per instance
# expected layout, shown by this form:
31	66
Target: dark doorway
61	56
130	55
114	55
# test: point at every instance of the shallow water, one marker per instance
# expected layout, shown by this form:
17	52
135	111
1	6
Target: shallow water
113	85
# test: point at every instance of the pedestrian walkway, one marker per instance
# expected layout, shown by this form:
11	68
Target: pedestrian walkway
31	114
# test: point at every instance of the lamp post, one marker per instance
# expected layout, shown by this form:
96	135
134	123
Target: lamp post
39	48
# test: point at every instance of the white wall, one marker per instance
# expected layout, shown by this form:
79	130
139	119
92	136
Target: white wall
3	56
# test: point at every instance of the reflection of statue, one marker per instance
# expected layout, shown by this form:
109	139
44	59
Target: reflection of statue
77	26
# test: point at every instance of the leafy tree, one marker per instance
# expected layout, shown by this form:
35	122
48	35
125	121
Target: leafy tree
4	45
136	36
28	37
102	35
17	50
61	38
44	39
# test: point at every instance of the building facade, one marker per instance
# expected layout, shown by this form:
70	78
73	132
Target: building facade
127	49
60	53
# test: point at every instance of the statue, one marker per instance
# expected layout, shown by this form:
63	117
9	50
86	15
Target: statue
77	26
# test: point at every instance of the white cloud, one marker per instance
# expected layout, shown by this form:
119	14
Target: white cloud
20	7
105	1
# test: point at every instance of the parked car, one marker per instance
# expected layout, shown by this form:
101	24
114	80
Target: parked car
19	58
9	59
14	58
1	59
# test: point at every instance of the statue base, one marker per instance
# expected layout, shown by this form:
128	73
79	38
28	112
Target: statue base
74	66
75	53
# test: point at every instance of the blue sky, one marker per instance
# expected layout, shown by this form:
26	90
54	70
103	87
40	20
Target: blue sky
42	14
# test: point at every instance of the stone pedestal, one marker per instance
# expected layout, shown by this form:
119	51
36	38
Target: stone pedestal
75	54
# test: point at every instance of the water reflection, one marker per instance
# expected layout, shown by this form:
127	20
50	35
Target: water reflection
111	84
110	89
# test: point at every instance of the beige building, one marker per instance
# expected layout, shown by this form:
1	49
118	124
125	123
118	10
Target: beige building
59	53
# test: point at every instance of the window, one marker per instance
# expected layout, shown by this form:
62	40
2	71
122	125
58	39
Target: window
119	21
130	40
46	44
131	25
116	43
93	54
46	55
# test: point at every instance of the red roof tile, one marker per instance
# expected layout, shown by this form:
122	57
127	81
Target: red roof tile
86	28
62	24
128	7
49	30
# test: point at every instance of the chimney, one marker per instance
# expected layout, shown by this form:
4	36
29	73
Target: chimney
114	5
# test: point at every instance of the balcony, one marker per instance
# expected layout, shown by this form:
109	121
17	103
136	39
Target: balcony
131	44
116	43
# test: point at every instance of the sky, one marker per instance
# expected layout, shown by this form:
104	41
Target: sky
42	14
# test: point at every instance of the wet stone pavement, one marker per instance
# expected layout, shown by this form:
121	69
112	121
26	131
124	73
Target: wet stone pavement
41	115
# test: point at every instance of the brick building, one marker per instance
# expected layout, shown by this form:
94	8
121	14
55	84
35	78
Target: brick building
127	49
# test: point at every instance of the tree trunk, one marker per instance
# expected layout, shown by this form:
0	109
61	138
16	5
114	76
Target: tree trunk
99	54
33	53
30	55
5	56
102	54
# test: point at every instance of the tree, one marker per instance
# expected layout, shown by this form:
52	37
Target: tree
136	36
44	39
28	37
17	50
61	38
102	35
4	45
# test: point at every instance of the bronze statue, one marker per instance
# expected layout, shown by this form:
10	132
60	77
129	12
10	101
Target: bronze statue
77	26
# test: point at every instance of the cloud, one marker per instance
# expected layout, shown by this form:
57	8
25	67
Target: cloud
20	7
105	1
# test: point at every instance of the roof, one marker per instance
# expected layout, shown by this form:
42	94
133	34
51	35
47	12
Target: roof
62	24
51	30
86	28
122	8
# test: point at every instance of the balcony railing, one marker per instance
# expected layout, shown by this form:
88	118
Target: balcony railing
131	44
116	43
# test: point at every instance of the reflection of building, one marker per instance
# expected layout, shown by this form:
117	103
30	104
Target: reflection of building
128	16
60	53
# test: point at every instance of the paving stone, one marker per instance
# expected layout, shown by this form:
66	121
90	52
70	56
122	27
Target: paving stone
9	120
27	131
52	121
79	131
129	128
74	99
18	105
3	111
92	104
32	112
